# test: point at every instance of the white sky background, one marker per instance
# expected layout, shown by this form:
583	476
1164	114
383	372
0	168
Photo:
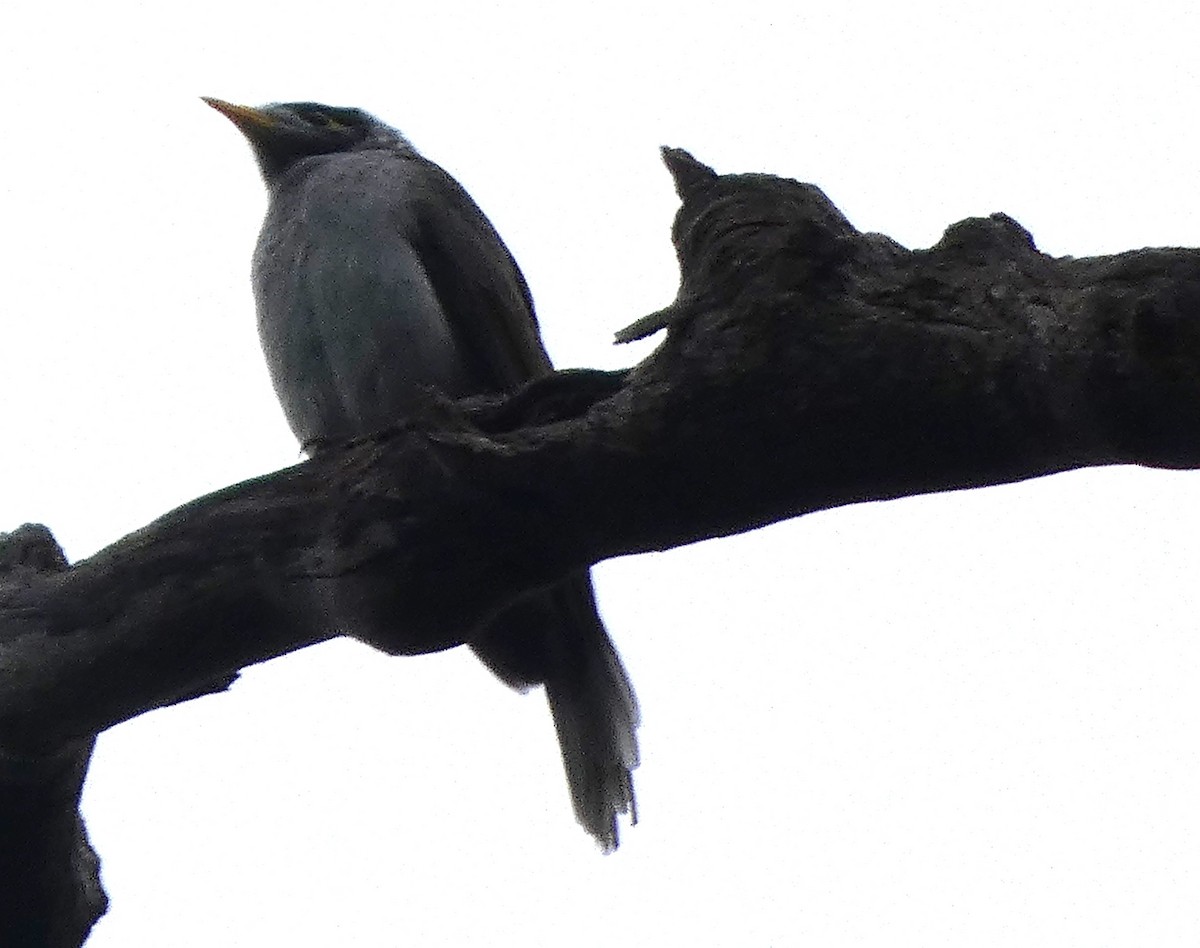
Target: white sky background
966	719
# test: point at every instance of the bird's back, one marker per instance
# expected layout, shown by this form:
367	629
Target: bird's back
376	275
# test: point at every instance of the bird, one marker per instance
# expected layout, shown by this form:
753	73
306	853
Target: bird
377	278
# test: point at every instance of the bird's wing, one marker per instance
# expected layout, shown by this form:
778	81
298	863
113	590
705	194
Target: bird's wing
349	321
478	283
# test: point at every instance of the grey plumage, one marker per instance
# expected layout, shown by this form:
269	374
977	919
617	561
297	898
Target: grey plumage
376	276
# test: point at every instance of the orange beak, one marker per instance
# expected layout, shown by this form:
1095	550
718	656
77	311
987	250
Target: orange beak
244	117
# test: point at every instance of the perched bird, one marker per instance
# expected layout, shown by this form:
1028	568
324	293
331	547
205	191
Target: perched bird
376	277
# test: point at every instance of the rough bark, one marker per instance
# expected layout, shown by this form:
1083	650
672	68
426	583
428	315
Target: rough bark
50	892
805	366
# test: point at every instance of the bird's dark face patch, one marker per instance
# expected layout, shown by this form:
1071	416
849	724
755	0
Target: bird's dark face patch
285	132
326	117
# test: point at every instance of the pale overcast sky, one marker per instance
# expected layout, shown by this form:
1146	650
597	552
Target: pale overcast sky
965	719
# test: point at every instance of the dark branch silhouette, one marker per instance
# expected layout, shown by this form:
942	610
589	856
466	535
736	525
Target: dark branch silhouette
806	365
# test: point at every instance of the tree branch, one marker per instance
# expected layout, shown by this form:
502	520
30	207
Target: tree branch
806	366
50	892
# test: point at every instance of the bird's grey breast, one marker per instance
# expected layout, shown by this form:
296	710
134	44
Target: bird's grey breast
350	323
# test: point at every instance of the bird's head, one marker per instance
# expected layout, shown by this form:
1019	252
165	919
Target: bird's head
283	133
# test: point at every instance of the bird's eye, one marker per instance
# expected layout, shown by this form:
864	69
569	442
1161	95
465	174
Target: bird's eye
324	120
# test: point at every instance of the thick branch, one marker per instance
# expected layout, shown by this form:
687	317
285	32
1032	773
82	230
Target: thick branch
50	892
806	366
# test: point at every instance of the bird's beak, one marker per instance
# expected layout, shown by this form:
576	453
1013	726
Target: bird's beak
248	119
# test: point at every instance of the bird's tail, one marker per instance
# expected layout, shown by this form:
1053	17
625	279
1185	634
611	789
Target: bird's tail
596	716
591	699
